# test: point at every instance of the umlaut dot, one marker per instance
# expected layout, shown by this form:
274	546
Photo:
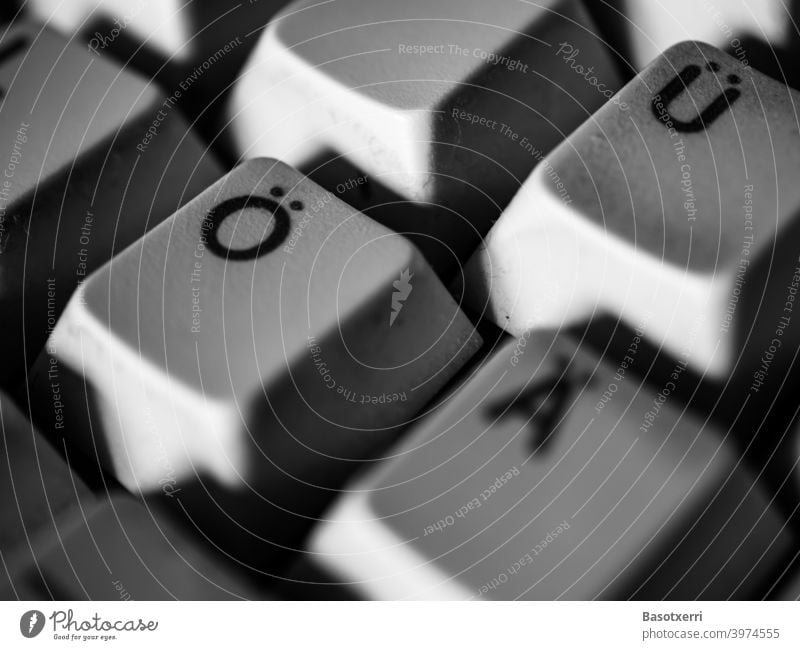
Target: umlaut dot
276	191
296	205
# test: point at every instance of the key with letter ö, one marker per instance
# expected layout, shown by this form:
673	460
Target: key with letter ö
553	474
446	105
677	211
92	157
253	348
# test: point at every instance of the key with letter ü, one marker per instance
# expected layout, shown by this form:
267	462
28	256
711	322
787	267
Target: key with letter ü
679	212
249	351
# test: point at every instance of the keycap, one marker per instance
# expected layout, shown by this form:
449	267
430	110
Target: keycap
187	46
119	550
248	352
676	212
746	29
556	474
92	157
441	108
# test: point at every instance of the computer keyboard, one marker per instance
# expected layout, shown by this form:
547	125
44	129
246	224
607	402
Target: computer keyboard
399	300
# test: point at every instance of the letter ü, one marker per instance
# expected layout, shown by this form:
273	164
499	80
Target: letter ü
670	92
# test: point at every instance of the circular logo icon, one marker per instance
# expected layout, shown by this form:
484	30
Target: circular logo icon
31	623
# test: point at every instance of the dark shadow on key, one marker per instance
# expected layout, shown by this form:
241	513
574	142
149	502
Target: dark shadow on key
191	100
761	426
77	427
762	390
487	134
304	580
204	79
432	228
683	574
609	17
781	62
305	439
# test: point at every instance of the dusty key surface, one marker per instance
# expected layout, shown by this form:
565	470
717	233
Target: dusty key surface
256	345
92	158
679	213
554	475
444	105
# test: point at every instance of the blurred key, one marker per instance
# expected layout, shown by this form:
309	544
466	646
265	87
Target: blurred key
757	32
676	207
556	475
38	489
92	157
251	350
118	550
445	105
195	47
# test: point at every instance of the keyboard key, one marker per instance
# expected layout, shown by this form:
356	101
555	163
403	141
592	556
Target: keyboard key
742	28
556	475
92	158
119	550
185	45
254	347
444	105
677	212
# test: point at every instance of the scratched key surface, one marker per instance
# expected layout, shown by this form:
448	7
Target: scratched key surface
555	475
91	159
443	108
256	345
674	206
